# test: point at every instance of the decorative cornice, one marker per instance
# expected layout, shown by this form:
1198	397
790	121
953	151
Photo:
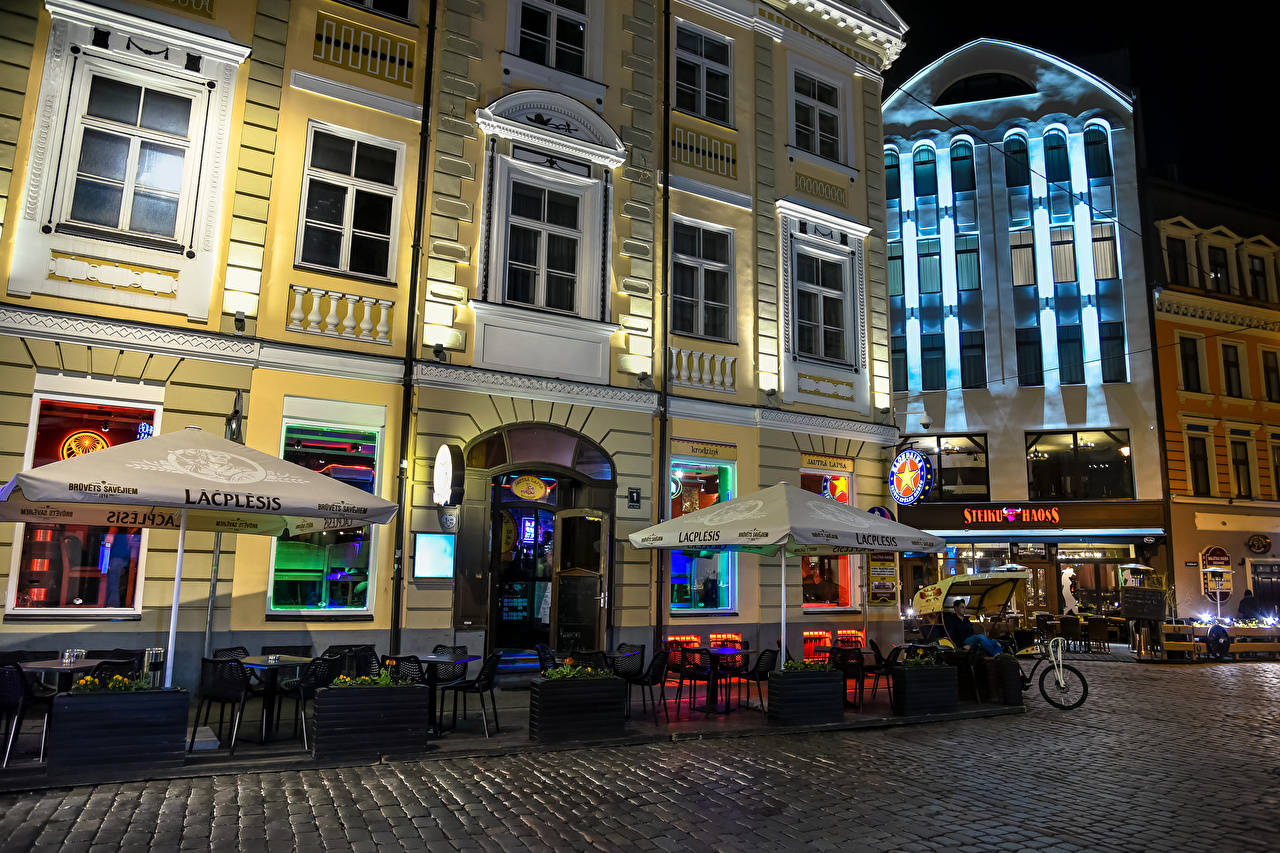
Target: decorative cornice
1196	307
215	43
553	122
812	213
327	362
476	381
757	418
354	95
89	331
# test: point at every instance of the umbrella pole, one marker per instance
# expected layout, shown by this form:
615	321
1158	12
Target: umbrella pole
782	654
173	611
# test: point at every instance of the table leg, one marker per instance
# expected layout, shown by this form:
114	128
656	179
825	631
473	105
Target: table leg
432	680
269	685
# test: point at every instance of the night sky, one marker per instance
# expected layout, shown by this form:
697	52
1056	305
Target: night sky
1206	85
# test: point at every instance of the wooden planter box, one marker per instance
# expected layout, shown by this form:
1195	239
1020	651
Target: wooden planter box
924	690
103	735
370	721
575	708
1004	681
806	698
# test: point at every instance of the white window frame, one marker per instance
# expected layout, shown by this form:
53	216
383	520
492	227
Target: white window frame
589	191
97	391
854	569
300	411
518	71
844	91
702	265
703	64
78	121
351	183
800	244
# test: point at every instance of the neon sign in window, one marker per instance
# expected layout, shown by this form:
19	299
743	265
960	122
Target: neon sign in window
701	581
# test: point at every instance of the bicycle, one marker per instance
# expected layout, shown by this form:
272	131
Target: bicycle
1067	689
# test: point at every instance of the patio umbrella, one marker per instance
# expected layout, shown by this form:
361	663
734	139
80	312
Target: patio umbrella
188	480
786	521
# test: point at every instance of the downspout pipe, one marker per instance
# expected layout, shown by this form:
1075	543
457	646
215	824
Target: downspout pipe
660	496
412	328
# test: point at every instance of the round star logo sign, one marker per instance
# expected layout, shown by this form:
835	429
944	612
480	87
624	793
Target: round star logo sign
910	477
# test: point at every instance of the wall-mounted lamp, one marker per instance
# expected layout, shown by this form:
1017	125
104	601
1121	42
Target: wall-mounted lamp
438	352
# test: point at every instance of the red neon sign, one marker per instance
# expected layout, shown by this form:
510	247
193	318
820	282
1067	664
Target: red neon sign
81	442
1012	515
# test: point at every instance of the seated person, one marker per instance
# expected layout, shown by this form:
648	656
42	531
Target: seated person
1250	607
961	632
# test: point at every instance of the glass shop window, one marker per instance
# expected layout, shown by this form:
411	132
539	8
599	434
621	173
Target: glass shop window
330	570
827	582
701	580
78	566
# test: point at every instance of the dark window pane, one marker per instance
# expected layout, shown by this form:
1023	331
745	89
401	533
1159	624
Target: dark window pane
715	321
924	167
1111	345
526	201
372	212
166	113
684	281
1030	359
1057	167
832	343
715	50
520	285
104	155
331	153
685	239
114	100
560	292
1189	353
973	360
715	246
374	163
807	341
1198	463
154	214
807	306
369	255
684	316
1097	154
562	254
898	362
832	275
1070	355
96	203
962	176
933	362
688	40
399	8
715	286
321	246
1017	169
522	247
806	268
562	210
326	202
1177	250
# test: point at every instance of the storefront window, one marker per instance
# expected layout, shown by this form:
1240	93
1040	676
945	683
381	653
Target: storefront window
700	581
961	465
826	581
79	566
327	571
1089	575
1079	465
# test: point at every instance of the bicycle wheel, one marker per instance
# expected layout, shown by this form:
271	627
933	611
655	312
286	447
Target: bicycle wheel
1070	694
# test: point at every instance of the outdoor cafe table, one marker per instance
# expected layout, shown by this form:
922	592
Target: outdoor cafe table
856	653
64	670
713	690
270	666
432	662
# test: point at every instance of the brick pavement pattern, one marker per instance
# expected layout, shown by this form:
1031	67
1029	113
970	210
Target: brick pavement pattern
1159	758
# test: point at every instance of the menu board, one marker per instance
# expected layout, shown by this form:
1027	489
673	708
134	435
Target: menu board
1141	602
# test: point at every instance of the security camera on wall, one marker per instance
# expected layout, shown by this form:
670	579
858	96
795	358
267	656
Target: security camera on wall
926	422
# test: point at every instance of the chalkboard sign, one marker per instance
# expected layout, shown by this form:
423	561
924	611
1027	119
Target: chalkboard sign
577	610
1140	602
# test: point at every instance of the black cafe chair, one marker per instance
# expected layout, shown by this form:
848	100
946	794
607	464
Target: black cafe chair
478	686
405	668
320	672
18	696
546	657
655	675
226	682
758	674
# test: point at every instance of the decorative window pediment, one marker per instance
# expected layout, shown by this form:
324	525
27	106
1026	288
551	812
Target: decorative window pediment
553	122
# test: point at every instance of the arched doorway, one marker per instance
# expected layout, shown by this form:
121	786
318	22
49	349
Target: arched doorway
547	493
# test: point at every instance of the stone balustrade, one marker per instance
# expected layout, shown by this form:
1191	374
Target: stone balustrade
705	370
317	311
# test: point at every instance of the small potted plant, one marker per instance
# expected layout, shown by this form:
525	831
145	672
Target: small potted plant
105	728
369	716
571	702
922	685
1004	679
806	693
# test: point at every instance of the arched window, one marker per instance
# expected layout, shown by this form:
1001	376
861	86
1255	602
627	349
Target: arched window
1057	171
1017	169
893	193
963	186
1097	164
1017	178
924	171
892	176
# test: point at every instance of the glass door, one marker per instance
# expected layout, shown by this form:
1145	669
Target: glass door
578	599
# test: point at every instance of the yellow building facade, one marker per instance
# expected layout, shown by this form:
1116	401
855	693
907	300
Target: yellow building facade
627	259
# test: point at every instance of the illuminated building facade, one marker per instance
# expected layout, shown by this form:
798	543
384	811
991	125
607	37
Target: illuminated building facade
1217	321
216	207
1018	320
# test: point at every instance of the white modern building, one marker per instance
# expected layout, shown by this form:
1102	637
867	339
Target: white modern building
1020	338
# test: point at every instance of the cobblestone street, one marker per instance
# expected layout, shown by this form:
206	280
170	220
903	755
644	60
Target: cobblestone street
1159	758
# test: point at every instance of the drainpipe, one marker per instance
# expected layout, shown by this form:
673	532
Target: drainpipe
412	328
660	496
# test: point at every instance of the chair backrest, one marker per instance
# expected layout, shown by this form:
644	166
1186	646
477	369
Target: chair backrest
697	663
230	653
546	657
595	660
301	651
223	679
319	673
731	644
1070	627
875	650
1098	630
657	670
631	665
894	654
106	669
405	668
488	671
675	656
365	661
13	688
765	664
446	672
